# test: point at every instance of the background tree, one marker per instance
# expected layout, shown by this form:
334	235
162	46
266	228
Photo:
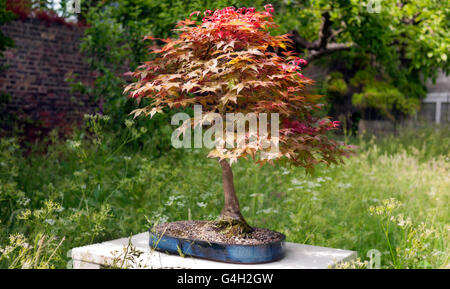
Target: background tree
399	46
227	64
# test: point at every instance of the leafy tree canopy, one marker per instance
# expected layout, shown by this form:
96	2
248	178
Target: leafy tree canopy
225	64
401	42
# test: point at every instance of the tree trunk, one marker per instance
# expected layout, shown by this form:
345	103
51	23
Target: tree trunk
231	217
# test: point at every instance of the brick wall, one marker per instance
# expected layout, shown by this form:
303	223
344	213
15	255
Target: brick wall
43	56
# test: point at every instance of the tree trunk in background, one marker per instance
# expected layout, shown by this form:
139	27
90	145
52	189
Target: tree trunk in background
231	216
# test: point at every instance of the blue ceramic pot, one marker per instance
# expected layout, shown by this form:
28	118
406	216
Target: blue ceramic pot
242	254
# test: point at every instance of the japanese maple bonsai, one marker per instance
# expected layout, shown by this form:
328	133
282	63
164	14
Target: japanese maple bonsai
229	62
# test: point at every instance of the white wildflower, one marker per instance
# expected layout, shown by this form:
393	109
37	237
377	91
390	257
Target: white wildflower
201	204
51	222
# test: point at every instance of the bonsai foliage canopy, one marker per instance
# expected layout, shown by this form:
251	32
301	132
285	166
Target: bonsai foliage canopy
227	63
230	63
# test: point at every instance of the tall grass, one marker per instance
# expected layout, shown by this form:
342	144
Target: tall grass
392	196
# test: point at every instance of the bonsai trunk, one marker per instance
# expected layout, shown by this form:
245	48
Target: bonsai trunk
231	219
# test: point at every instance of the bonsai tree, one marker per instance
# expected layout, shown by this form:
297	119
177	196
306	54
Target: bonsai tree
227	64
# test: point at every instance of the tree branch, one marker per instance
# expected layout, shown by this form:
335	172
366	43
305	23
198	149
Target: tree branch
321	46
324	32
411	21
300	42
330	48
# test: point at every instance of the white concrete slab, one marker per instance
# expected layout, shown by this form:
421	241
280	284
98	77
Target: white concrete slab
298	256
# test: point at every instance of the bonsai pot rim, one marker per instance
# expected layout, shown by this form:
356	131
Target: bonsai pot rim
218	251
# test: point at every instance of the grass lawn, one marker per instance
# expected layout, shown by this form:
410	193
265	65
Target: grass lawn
392	196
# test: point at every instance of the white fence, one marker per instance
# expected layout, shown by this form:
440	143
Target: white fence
442	105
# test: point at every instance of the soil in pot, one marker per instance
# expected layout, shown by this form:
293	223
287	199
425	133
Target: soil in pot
209	232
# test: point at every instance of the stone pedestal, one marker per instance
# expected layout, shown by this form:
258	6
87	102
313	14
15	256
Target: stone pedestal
136	253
